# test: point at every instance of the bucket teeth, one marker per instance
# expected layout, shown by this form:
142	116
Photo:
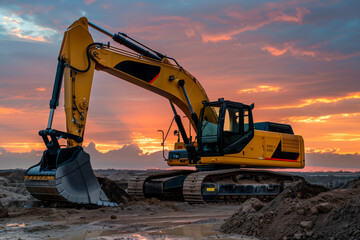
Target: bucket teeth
73	181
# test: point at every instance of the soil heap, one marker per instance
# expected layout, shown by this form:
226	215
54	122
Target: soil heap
113	191
13	192
302	211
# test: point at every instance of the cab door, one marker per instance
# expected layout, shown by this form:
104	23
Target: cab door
237	127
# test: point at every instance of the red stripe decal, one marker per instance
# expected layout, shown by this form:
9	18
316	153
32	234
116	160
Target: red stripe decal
279	159
154	78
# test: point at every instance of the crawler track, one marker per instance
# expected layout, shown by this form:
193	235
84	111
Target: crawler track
137	184
217	186
233	185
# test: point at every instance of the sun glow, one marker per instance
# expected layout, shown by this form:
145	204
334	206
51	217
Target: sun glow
106	147
23	147
150	145
261	89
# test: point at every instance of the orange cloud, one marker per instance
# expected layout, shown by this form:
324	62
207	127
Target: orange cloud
295	52
148	144
274	51
261	89
216	38
320	55
344	137
308	102
40	89
282	17
322	119
273	16
323	150
7	111
22	147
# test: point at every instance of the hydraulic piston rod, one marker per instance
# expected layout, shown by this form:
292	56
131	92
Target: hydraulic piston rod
122	40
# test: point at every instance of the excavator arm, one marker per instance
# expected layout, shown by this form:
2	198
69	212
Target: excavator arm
80	56
68	169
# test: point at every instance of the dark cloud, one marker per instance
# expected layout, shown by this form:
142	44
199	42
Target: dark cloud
131	157
341	161
128	157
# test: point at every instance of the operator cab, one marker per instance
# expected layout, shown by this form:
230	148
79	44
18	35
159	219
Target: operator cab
225	127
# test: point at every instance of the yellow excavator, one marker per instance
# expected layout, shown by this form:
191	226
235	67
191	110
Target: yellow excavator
227	140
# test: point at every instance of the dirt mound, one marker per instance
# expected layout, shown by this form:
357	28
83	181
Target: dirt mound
113	191
353	184
302	211
13	194
3	211
17	176
119	176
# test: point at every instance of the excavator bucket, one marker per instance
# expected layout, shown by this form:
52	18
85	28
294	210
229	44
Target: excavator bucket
66	176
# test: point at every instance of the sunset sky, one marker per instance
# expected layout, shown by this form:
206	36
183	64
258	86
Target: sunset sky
297	60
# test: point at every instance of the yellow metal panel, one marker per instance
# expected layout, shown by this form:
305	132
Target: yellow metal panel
77	85
290	143
108	58
258	153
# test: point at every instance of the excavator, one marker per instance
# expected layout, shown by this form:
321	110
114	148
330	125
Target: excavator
229	157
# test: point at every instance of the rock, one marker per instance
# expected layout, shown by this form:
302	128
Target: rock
324	207
113	191
298	236
248	209
4	181
3	211
288	211
314	210
252	205
112	217
306	224
300	211
309	233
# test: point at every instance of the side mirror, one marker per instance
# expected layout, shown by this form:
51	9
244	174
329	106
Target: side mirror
252	106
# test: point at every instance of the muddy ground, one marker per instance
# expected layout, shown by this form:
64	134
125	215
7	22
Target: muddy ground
301	211
140	220
148	219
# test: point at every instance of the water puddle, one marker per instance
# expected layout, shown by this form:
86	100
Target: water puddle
180	232
15	225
